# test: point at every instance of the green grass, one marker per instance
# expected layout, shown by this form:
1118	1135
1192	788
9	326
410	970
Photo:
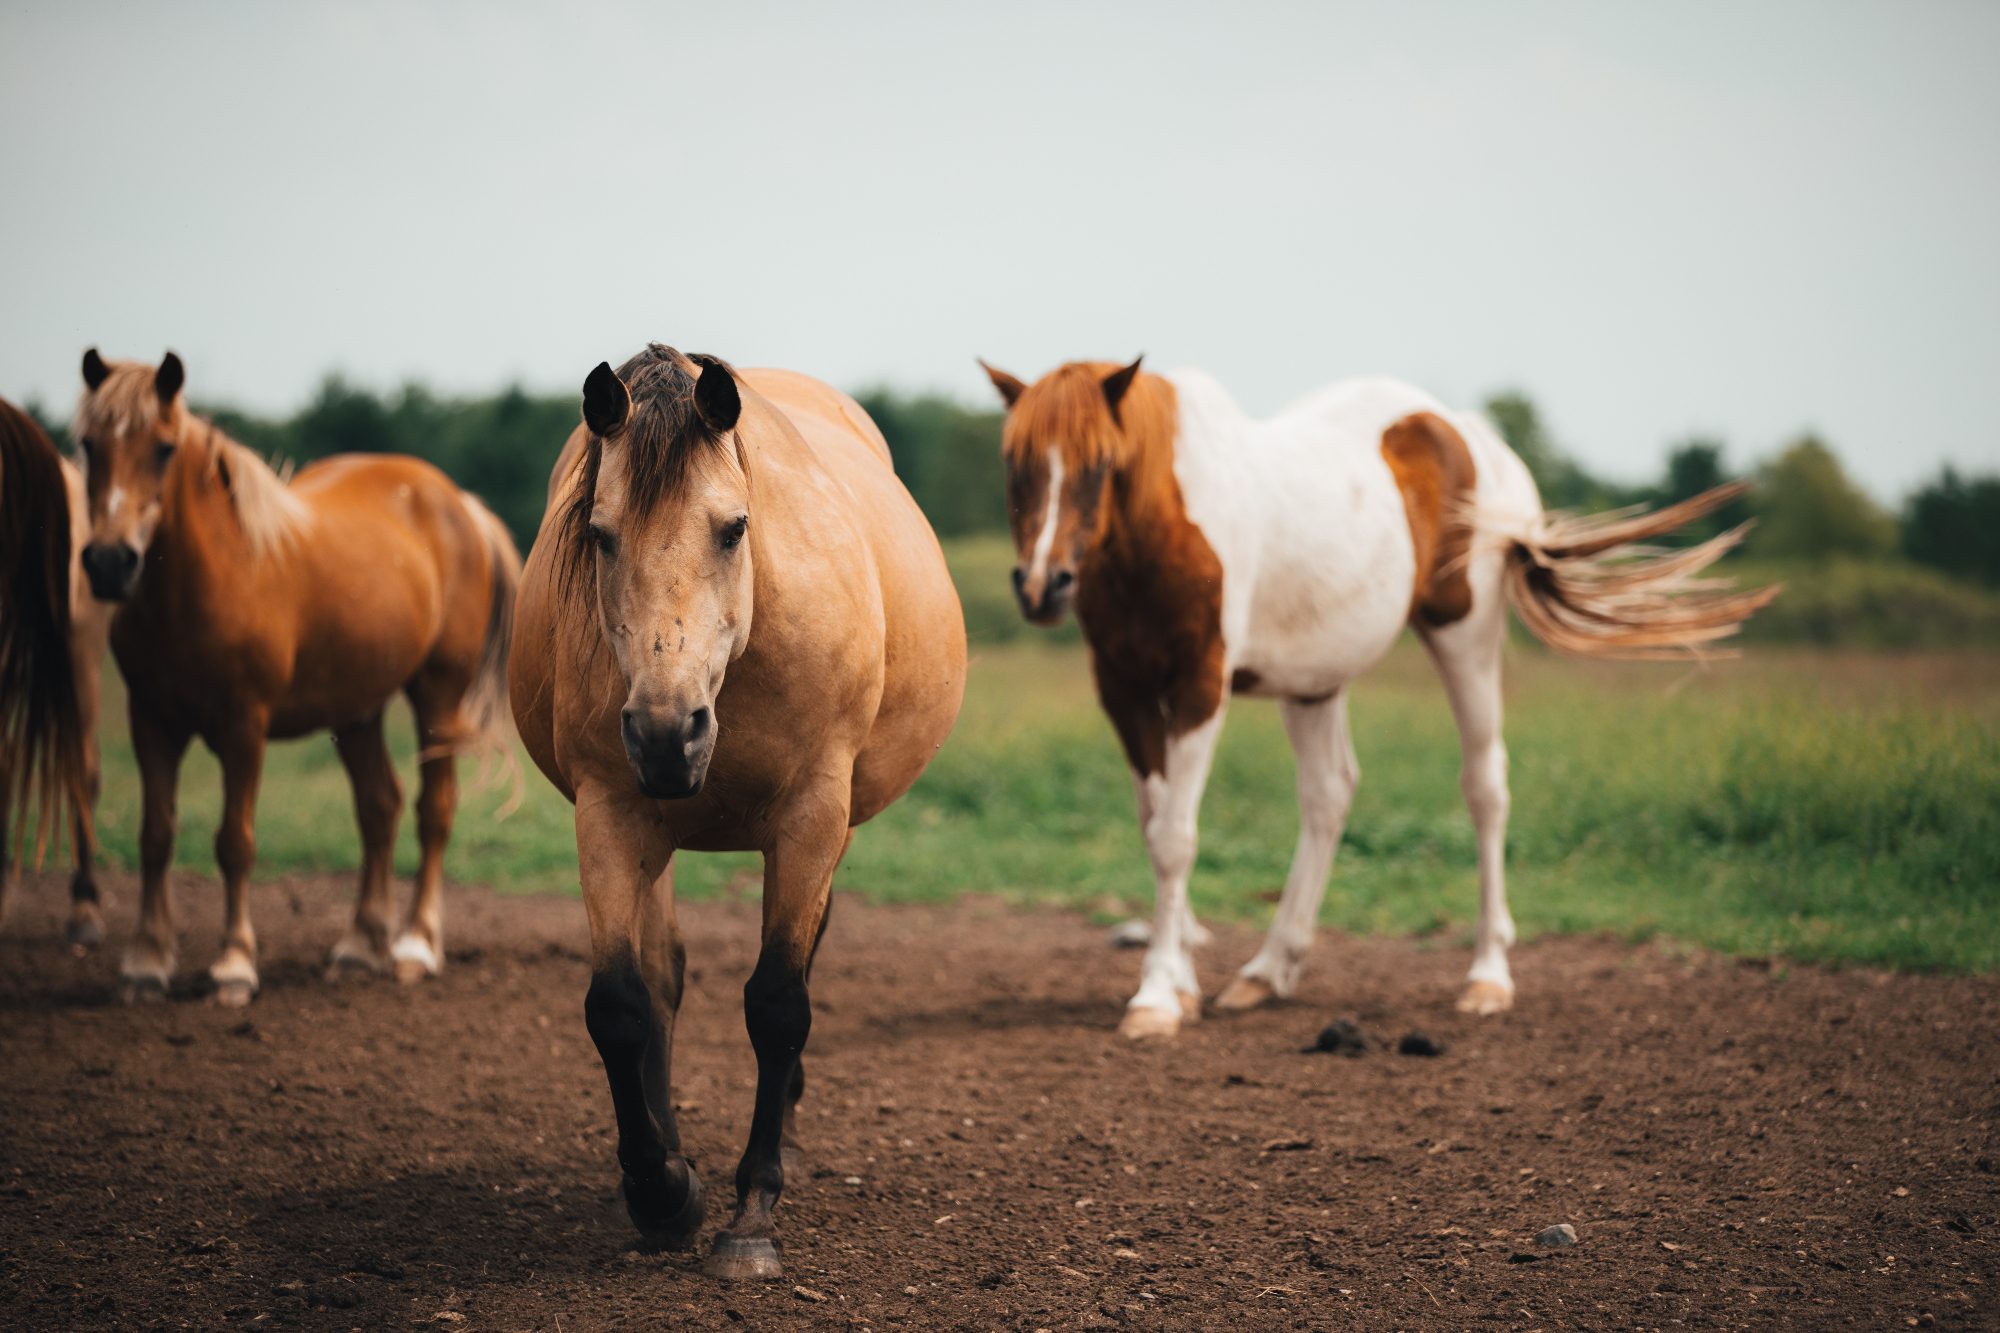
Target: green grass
1838	806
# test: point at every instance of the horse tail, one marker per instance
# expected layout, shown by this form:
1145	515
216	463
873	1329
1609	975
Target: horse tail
486	707
41	728
1590	586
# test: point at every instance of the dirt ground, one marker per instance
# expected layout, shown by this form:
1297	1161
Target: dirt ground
1734	1143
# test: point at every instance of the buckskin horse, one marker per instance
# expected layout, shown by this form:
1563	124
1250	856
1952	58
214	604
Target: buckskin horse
46	755
1208	554
736	632
254	608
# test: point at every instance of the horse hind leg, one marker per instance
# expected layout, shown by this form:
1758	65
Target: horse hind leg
1328	774
85	930
378	808
441	731
1468	657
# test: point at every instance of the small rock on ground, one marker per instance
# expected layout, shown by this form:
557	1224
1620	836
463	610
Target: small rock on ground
1559	1236
1133	934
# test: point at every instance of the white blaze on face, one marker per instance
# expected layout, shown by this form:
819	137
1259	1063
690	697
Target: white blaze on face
1038	563
114	501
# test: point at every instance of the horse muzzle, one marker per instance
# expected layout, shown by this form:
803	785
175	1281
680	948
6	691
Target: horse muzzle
113	570
1047	600
669	755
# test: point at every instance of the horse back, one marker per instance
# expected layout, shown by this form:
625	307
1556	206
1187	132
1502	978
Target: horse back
393	575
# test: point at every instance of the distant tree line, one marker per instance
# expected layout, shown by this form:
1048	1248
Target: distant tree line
1806	507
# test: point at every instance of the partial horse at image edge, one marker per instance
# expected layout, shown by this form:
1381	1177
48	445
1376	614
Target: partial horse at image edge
42	733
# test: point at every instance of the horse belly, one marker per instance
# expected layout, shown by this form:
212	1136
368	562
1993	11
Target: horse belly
366	627
1328	599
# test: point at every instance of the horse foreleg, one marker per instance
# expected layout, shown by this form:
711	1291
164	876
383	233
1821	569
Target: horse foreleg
622	856
777	1010
149	958
378	806
1169	992
235	972
1327	776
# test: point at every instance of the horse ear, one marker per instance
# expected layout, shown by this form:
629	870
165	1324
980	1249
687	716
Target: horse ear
605	401
715	396
95	372
1118	381
1010	388
169	378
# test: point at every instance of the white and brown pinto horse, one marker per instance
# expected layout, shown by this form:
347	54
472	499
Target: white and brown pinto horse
253	609
736	632
1209	554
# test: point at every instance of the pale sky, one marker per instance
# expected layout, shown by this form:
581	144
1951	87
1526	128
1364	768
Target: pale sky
1751	218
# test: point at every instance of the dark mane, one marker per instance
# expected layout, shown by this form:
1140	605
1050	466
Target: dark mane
663	435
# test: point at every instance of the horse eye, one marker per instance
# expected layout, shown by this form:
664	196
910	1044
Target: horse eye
163	451
733	534
601	539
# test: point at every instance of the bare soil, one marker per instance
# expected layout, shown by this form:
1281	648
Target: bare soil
1735	1143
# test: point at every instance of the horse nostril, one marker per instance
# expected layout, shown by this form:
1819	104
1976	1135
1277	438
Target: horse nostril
1061	579
1020	580
697	725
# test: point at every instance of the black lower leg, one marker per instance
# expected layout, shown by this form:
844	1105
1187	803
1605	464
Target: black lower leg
778	1013
660	1192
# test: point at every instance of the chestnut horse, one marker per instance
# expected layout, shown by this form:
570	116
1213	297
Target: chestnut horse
735	633
1209	554
46	756
256	609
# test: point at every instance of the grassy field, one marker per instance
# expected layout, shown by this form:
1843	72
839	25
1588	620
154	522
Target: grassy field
1839	806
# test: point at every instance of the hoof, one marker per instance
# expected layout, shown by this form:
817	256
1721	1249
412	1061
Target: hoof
657	1229
414	959
84	933
1190	1006
146	989
1146	1024
354	956
1486	998
1245	993
235	978
234	994
744	1259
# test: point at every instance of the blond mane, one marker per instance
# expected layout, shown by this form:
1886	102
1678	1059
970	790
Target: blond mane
269	513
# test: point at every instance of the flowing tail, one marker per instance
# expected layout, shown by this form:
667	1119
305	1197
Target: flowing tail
486	706
1588	585
41	731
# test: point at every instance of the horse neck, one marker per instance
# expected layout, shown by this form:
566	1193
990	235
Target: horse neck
202	549
1147	517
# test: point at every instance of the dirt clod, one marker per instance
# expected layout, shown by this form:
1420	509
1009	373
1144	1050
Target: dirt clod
1342	1036
1419	1043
